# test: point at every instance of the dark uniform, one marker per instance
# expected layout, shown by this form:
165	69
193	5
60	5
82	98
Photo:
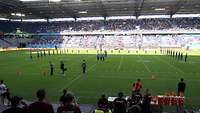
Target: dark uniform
84	66
119	105
41	54
103	57
62	67
98	57
31	57
44	53
146	102
51	69
53	52
186	58
181	56
49	52
181	87
105	52
38	54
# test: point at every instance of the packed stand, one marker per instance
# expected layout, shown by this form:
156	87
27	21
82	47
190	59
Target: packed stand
45	42
113	42
99	25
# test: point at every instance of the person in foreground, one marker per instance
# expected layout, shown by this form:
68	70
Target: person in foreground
120	104
69	106
137	86
41	106
103	105
64	94
15	103
181	87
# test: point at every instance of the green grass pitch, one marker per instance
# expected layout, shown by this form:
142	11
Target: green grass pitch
24	76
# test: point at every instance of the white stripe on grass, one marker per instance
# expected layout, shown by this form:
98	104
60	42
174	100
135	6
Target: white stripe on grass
78	77
120	63
174	67
146	67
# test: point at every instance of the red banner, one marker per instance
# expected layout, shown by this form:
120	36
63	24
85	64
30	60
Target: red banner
168	100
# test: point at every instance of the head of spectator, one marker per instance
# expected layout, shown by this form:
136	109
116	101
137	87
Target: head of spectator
69	105
1	82
68	99
41	94
120	94
64	92
103	102
182	79
103	96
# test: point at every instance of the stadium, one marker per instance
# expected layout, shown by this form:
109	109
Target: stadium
99	56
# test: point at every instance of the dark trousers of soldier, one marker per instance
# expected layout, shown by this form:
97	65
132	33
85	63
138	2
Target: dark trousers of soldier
51	72
84	70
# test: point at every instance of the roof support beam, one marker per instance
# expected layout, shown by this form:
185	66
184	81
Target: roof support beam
138	7
102	7
67	11
176	7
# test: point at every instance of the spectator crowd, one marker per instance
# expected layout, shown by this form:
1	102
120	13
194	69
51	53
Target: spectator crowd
136	103
114	42
99	25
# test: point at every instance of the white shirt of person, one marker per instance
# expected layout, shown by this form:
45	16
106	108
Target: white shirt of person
2	88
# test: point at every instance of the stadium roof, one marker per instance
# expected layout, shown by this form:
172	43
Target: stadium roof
95	8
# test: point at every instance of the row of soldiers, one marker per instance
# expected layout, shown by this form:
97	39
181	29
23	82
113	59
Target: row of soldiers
177	55
101	56
41	53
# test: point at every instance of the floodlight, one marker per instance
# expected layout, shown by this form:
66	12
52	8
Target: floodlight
4	19
90	18
82	12
18	14
13	14
153	16
160	9
54	0
185	15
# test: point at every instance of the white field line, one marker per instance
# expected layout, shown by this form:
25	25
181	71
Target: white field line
146	67
78	77
120	63
174	67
